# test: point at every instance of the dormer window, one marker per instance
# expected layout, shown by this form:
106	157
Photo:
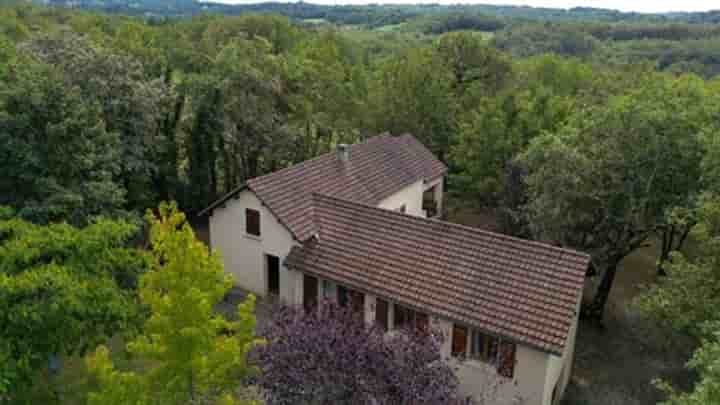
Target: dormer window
252	222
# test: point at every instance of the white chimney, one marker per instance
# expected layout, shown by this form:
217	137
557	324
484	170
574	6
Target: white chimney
343	152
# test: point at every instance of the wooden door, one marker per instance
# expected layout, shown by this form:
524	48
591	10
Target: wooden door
273	274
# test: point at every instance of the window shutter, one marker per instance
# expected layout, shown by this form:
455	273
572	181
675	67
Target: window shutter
252	222
506	363
459	341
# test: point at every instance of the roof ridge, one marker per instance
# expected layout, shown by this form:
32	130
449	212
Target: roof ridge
543	245
324	155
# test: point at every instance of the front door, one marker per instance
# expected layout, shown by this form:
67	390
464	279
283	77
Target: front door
310	292
273	274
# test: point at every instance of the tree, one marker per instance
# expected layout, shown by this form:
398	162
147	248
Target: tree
332	356
705	361
63	290
687	297
194	356
413	93
619	168
473	63
203	144
498	127
132	106
687	301
58	159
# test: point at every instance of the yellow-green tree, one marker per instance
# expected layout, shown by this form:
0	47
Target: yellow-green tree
190	354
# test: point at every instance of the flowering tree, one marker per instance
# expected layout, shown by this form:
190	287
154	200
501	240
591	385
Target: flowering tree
332	356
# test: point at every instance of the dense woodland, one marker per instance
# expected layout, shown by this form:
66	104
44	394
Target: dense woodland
590	129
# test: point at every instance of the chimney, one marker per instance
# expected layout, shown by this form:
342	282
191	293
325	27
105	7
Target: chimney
343	152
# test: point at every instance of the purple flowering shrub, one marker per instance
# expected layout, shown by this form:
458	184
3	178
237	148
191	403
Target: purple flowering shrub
331	356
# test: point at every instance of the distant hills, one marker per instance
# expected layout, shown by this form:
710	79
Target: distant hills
373	15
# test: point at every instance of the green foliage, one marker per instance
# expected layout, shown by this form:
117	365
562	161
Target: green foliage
619	167
42	124
688	296
686	300
192	354
63	290
413	93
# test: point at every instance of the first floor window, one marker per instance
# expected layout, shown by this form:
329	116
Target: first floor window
252	222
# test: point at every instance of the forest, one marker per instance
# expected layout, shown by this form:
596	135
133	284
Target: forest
590	129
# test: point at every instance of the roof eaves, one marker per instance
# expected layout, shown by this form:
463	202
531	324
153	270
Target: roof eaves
222	200
551	349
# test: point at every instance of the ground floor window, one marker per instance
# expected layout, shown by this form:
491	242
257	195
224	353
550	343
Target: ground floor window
310	292
408	318
459	341
382	310
348	297
484	347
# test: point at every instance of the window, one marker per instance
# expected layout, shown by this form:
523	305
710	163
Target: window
459	341
310	292
484	347
429	204
407	318
329	290
252	222
489	349
506	359
381	313
342	295
357	302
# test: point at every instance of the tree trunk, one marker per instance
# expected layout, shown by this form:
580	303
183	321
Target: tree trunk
596	310
673	240
668	234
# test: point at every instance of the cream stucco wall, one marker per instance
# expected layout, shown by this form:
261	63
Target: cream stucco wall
411	196
244	255
560	367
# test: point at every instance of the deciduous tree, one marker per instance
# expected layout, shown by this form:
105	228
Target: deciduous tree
192	354
63	290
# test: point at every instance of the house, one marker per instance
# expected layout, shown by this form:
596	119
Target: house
357	226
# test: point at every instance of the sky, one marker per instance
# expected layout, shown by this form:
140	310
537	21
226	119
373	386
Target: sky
645	6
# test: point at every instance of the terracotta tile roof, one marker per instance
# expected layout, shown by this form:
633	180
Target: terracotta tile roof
519	289
376	169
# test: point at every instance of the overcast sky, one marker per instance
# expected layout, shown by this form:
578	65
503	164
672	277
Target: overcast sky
648	6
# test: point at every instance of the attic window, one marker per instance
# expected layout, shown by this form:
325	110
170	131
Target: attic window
252	222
